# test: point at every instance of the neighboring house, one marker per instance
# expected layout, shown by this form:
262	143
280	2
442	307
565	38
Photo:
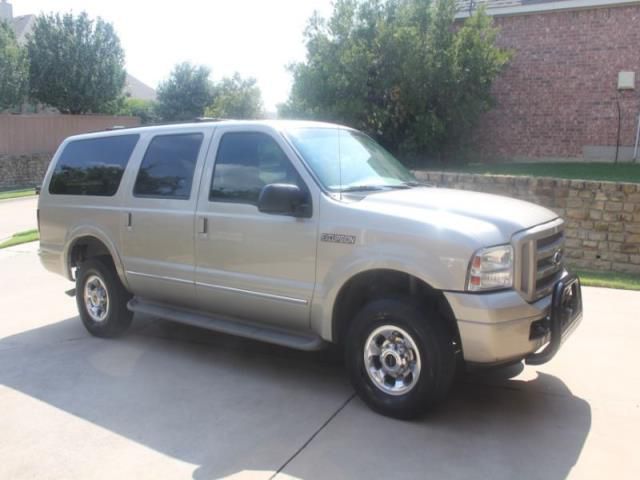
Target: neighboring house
559	97
134	88
23	25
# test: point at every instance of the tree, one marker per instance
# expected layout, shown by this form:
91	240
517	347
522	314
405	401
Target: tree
186	94
14	69
76	64
135	107
235	97
401	70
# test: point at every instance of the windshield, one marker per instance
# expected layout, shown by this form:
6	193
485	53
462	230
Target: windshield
346	160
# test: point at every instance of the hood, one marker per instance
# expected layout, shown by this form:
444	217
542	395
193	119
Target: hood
505	214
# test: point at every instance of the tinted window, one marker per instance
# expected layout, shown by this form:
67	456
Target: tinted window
168	165
245	163
93	166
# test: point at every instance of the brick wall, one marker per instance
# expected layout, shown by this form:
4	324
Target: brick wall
559	93
23	170
602	218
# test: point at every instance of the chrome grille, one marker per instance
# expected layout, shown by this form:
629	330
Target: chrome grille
539	259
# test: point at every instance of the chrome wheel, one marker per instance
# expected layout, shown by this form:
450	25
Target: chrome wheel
392	360
96	298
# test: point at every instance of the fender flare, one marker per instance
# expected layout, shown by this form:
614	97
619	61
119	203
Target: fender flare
323	304
83	231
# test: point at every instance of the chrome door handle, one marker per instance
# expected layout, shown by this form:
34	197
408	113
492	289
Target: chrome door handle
203	225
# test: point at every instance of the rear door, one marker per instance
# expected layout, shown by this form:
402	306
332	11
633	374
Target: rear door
158	216
252	265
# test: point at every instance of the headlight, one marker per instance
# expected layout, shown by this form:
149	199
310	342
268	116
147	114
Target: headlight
491	269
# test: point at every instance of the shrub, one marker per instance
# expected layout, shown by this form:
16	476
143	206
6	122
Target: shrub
402	70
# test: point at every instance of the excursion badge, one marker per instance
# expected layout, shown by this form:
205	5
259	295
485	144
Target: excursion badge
338	238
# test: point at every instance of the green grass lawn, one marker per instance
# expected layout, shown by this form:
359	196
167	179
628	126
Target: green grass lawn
27	192
19	238
623	281
622	172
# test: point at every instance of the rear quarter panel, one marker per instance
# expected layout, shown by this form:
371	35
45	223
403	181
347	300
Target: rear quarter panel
66	218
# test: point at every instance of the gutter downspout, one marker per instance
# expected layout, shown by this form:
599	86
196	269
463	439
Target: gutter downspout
635	150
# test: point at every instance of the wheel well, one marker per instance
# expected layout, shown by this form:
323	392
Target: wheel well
372	284
85	248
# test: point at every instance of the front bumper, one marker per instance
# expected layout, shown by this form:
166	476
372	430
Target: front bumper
497	328
565	314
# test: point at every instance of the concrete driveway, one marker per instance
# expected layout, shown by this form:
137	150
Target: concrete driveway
169	401
17	215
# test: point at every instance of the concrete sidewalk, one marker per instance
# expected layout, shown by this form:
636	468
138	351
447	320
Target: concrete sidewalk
169	401
17	215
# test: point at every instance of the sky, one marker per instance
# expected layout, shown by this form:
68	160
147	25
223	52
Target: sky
256	38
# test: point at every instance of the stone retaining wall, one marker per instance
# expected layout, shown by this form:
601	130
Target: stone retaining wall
603	218
23	170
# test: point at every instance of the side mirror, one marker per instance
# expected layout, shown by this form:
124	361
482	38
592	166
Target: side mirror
284	199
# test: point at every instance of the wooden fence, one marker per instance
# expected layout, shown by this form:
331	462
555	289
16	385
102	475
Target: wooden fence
36	134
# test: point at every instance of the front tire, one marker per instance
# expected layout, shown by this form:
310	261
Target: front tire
102	299
400	357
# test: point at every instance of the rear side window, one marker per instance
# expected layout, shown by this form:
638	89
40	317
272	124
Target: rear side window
168	165
93	166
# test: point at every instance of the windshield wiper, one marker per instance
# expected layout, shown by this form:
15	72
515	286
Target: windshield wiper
416	183
372	188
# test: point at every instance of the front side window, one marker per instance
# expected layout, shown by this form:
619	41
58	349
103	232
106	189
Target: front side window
345	160
245	163
168	165
93	166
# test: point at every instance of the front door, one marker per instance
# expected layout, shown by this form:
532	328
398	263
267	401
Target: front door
252	265
158	220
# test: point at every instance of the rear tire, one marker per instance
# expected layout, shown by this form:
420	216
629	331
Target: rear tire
400	357
102	299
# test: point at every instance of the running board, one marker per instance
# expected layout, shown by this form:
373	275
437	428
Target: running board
229	326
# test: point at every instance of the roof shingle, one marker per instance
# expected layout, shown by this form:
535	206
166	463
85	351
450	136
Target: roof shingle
496	5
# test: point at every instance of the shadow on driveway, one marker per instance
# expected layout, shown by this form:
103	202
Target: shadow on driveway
230	405
529	430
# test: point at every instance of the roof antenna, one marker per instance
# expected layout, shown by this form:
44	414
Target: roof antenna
340	163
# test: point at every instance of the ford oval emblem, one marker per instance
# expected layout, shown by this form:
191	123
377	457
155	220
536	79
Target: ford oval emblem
557	257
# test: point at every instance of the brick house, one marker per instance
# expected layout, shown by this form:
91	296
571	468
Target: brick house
559	96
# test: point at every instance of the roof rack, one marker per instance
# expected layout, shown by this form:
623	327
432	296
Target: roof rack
210	119
180	122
